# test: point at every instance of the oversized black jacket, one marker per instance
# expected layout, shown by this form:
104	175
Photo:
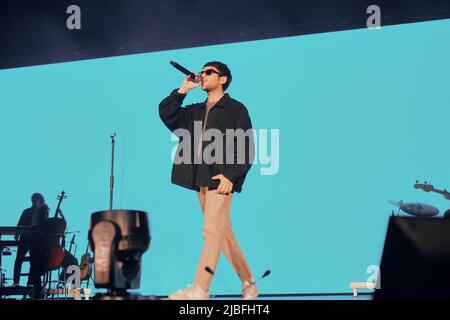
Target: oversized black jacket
228	113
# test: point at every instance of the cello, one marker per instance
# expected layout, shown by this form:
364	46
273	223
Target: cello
54	229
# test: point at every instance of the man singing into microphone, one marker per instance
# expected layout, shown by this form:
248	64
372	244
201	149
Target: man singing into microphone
215	181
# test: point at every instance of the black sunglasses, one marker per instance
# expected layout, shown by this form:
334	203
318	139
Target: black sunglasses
209	72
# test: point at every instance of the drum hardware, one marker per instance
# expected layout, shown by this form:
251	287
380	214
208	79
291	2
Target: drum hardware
420	210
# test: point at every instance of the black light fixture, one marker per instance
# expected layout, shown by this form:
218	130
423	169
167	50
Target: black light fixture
118	239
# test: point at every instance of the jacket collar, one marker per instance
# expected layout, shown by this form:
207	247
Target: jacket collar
221	103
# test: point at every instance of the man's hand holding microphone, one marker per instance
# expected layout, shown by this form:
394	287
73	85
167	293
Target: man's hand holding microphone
189	84
192	80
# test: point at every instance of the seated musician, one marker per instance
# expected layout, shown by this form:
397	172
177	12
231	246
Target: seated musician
34	216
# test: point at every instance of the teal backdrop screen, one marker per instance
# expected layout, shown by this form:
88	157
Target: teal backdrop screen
353	118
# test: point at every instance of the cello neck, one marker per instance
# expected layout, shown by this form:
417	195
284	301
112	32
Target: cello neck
60	198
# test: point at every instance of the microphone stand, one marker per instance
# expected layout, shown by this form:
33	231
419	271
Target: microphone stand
111	180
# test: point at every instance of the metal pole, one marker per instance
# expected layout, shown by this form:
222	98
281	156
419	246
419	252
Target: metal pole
111	181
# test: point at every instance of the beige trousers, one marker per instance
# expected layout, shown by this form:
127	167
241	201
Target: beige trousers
218	236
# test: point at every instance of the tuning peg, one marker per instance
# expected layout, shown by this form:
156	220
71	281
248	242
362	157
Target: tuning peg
417	181
425	182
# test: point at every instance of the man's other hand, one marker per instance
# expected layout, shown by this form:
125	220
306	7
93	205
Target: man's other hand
225	186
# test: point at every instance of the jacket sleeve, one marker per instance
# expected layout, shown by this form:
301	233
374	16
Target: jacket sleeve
235	171
171	112
23	219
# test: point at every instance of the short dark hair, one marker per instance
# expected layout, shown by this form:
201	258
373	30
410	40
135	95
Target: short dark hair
223	69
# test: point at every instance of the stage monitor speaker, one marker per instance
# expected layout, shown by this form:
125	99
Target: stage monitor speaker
416	259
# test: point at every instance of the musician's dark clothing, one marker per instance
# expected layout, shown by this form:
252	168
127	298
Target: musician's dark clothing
27	218
33	243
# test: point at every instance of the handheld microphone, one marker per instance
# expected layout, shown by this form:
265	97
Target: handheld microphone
183	69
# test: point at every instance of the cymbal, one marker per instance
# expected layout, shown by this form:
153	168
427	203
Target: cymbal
417	209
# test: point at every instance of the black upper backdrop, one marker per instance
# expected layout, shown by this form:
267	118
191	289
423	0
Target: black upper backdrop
34	32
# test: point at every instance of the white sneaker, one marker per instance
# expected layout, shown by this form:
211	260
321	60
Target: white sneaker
249	291
192	292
